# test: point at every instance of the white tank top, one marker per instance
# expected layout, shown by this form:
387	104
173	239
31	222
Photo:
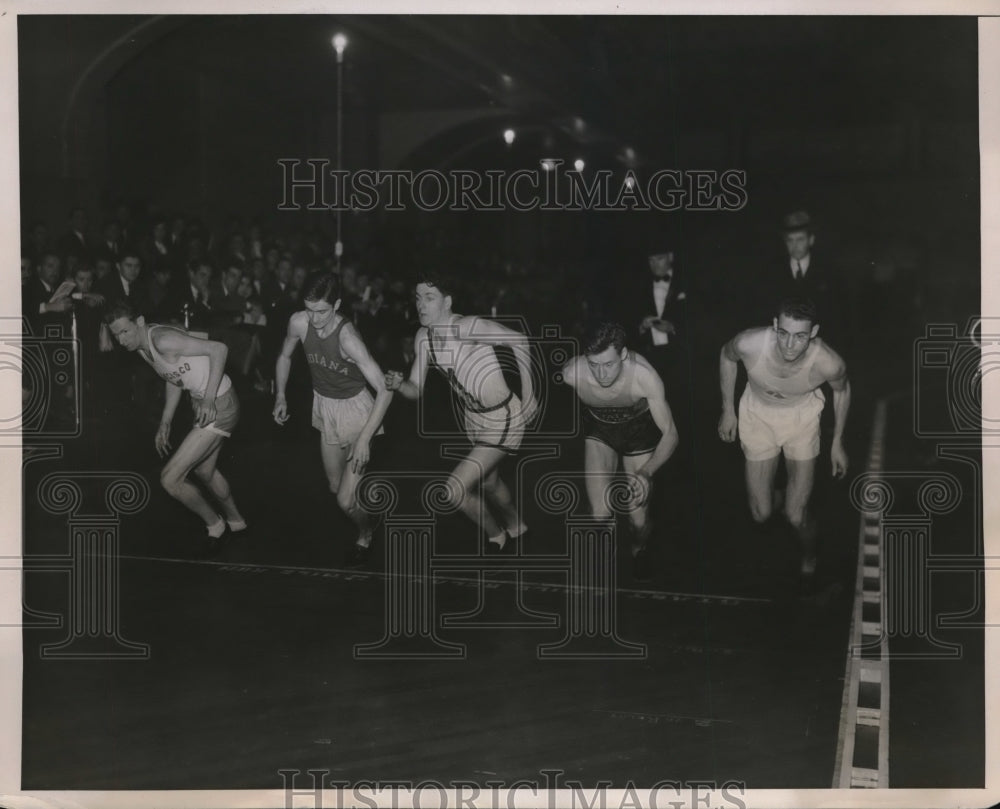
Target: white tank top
190	373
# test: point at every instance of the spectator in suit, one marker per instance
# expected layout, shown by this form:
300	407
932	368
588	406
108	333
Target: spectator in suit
36	239
297	284
123	216
91	331
276	283
37	302
124	285
162	294
279	299
195	297
111	240
76	243
227	304
235	254
228	308
104	267
655	310
272	255
258	276
27	270
157	248
46	304
804	275
256	241
176	239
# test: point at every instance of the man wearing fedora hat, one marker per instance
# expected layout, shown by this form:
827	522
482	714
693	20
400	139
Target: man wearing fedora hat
799	237
801	275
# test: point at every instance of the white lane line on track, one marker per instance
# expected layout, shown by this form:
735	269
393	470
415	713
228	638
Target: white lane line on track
348	573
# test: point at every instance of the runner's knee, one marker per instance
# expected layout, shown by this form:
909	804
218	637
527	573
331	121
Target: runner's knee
345	499
760	511
454	493
171	480
796	515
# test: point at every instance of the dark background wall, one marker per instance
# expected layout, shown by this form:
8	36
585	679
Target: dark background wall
870	123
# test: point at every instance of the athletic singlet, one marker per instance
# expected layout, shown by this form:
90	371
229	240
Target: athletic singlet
782	391
190	373
620	402
332	376
469	400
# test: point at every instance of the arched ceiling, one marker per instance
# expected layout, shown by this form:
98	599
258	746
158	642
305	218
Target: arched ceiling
611	81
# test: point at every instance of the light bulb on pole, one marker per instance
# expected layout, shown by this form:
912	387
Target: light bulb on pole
339	44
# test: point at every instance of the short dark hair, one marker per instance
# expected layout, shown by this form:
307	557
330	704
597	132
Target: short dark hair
602	336
321	286
120	308
130	251
434	278
799	309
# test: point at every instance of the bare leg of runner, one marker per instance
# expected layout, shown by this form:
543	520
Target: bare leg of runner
344	484
500	499
208	473
196	447
801	475
465	489
638	517
600	463
760	481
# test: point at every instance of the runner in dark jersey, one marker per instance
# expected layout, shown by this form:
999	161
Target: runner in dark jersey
626	420
344	410
494	418
188	363
779	412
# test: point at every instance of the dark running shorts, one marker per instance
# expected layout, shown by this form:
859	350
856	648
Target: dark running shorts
635	436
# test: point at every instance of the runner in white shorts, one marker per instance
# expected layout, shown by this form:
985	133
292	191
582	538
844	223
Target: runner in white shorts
186	362
780	409
344	410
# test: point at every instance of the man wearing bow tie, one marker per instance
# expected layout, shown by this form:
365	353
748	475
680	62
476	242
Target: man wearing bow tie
661	307
658	308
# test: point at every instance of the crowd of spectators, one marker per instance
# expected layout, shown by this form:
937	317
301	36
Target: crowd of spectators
240	283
